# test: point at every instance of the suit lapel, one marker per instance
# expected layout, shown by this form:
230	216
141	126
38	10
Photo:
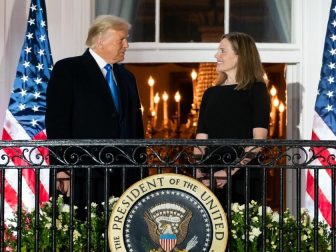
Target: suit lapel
97	77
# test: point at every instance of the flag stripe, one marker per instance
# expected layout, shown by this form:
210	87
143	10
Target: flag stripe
27	174
24	118
13	129
324	126
321	130
324	204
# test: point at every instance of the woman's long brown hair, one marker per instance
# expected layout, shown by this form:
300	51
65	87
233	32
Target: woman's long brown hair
249	67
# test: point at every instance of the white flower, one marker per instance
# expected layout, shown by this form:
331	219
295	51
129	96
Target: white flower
235	207
254	233
241	207
76	235
320	231
65	208
93	204
304	211
304	237
48	225
113	200
275	217
58	225
255	219
65	228
48	219
268	210
252	204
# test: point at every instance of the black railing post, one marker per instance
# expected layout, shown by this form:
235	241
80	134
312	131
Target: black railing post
263	215
2	209
72	212
229	202
316	200
281	209
298	208
106	207
19	209
333	242
247	212
37	209
53	207
88	216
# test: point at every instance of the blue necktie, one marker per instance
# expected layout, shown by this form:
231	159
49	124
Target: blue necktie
112	85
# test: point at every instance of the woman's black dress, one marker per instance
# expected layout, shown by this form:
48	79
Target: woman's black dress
227	113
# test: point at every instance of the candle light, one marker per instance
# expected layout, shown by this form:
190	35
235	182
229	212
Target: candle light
273	93
194	77
178	99
274	112
151	83
281	119
156	104
276	102
165	109
142	109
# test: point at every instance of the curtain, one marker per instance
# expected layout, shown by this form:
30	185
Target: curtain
281	15
121	8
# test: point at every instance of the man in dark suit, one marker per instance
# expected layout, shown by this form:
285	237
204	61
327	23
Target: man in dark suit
81	103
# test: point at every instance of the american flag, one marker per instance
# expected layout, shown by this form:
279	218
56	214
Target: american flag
324	123
25	114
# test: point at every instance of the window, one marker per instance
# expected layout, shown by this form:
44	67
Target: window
185	21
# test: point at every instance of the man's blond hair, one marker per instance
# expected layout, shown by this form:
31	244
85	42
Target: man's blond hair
101	24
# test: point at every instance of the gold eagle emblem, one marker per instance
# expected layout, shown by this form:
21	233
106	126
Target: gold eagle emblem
169	220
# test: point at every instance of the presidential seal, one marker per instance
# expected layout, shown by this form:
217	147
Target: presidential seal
168	212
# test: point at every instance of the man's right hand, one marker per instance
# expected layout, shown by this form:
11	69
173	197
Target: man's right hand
63	183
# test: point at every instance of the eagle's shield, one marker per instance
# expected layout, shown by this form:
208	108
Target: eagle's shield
168	242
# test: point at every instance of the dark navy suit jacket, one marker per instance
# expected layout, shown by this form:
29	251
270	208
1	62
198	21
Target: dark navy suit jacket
80	106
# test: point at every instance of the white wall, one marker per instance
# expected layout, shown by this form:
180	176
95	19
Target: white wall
68	22
12	25
314	25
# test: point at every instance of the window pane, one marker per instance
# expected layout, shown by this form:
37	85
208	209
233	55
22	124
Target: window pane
265	20
191	21
140	13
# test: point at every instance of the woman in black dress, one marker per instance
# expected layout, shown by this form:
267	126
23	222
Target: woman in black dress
237	107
